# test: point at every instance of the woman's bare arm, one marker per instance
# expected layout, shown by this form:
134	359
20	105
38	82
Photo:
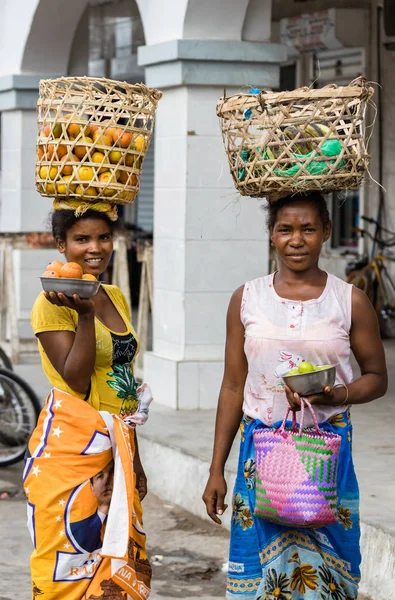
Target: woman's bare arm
368	350
72	354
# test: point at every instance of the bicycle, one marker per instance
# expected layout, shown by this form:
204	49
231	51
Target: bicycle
5	362
372	276
19	411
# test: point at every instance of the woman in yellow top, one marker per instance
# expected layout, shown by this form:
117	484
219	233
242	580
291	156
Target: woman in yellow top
87	346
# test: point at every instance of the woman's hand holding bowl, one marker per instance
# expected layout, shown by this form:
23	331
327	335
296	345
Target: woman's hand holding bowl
81	306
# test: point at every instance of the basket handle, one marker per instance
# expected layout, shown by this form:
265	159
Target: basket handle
303	402
294	423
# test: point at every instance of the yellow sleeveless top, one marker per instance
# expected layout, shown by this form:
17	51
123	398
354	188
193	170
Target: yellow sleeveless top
113	387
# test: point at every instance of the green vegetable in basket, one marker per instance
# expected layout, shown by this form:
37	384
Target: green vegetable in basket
241	173
331	147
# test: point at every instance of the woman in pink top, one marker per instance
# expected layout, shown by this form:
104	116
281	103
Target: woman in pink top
274	323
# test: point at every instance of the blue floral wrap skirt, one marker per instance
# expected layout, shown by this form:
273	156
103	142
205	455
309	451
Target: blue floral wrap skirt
272	562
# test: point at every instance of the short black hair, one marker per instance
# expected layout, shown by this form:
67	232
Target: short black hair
315	198
63	220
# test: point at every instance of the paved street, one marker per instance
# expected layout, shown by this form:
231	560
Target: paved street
187	553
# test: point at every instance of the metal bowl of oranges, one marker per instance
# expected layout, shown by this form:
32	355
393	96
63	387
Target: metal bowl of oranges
69	279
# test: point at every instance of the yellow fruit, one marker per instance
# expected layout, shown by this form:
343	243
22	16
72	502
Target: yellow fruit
61	185
85	173
98	157
101	138
128	196
129	159
139	143
49	188
89	192
89	277
51	174
115	156
108	178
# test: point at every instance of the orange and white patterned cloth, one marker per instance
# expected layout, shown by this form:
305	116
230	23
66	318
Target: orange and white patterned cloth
84	512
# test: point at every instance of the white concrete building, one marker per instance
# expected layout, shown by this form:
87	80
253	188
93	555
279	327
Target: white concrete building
207	239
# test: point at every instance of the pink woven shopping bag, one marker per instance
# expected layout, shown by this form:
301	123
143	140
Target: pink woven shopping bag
297	473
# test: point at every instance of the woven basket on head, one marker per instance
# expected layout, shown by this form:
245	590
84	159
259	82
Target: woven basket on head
299	141
93	135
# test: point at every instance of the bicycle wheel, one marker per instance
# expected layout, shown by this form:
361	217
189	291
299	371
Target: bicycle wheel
19	410
5	362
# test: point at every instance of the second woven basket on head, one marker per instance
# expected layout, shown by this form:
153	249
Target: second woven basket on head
279	143
93	135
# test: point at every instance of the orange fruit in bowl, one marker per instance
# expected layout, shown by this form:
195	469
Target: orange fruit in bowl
55	265
89	277
71	270
50	273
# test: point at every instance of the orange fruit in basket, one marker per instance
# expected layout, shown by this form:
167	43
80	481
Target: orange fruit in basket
57	150
71	270
93	128
123	177
89	277
40	153
125	140
80	149
101	138
68	169
110	131
73	130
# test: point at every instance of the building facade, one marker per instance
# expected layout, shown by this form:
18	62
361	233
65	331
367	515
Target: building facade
207	239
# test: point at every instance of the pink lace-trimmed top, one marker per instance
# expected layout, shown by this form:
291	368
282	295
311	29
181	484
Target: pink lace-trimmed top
280	333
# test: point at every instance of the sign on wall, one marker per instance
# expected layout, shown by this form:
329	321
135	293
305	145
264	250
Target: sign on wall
310	32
